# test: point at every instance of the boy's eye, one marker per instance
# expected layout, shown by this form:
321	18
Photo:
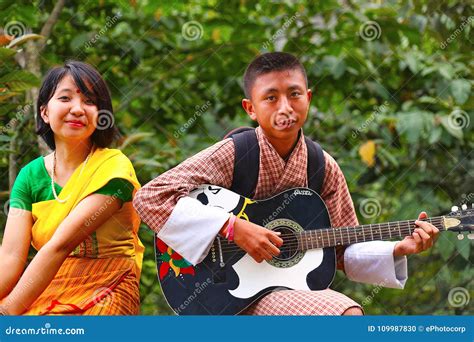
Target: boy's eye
295	94
271	98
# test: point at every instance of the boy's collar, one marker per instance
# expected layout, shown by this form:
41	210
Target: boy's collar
261	135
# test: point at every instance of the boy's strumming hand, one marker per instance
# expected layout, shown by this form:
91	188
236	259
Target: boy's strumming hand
259	242
420	240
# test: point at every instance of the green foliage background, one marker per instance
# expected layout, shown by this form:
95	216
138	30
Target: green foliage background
174	96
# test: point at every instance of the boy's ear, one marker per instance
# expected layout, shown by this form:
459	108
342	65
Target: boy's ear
309	93
44	114
248	107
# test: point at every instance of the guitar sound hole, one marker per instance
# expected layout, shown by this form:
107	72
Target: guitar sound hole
290	244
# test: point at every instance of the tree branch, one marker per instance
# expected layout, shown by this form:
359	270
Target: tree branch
49	24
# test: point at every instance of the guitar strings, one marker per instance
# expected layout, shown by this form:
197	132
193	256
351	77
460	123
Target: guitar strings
405	227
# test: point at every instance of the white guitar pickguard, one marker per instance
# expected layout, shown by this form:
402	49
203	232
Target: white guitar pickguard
254	277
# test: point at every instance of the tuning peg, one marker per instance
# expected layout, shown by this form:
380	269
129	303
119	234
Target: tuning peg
454	208
464	207
460	237
470	236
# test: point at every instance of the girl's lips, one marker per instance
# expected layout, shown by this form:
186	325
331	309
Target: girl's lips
75	123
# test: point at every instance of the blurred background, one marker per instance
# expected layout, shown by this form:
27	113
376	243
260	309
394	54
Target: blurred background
393	103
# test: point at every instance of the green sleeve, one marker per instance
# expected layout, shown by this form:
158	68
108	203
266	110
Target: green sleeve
119	188
20	196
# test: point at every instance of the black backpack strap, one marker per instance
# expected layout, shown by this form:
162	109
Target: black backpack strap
316	165
246	163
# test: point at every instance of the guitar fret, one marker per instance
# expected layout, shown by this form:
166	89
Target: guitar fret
380	231
342	239
363	232
390	231
399	231
371	232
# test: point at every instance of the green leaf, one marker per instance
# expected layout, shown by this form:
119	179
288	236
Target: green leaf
446	246
5	53
460	89
452	129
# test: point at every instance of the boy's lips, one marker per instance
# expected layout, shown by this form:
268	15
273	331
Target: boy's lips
283	122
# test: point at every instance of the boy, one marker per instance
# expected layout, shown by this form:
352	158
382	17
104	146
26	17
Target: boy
278	98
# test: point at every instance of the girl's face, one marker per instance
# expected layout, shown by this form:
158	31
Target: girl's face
71	115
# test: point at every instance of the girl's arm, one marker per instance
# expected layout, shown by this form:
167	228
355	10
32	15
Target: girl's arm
14	248
70	233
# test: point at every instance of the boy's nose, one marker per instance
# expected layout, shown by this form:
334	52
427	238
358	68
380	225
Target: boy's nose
284	106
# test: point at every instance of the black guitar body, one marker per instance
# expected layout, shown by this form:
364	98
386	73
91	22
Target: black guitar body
225	283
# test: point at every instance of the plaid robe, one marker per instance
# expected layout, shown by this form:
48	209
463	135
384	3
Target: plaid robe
156	201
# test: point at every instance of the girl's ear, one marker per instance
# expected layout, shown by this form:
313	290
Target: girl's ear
44	114
248	107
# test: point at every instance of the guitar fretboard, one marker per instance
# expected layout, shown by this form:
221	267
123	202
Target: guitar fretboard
331	237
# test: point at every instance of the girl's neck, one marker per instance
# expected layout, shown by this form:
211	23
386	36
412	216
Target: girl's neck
71	155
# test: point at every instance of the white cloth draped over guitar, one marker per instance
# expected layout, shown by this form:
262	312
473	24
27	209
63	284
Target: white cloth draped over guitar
189	227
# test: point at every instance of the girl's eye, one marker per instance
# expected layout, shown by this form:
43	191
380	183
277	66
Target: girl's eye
90	102
63	98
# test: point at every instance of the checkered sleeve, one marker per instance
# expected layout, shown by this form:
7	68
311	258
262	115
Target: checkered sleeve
335	194
156	200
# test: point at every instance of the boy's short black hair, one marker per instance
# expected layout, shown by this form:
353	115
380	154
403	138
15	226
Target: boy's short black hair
268	62
92	85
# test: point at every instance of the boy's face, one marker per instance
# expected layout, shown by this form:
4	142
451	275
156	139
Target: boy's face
280	102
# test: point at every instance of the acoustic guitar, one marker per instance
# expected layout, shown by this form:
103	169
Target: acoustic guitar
228	280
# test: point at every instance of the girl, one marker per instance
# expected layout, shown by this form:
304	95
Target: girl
74	206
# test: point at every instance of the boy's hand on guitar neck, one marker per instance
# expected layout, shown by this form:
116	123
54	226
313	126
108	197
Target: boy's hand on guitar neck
420	240
260	243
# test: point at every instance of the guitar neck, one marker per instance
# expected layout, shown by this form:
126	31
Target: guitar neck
331	237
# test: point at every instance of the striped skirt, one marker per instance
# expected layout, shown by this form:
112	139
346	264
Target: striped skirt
85	286
298	302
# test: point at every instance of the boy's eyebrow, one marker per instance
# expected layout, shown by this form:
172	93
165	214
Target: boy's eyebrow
294	86
270	90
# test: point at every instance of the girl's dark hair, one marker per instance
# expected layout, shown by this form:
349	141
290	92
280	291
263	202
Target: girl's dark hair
92	85
268	62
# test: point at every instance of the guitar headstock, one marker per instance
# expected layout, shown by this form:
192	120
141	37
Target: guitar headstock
461	221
